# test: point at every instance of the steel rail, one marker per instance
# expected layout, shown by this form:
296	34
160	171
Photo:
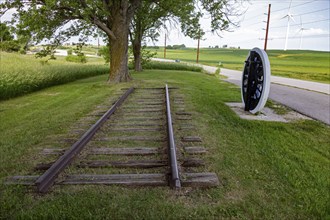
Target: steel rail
175	180
46	180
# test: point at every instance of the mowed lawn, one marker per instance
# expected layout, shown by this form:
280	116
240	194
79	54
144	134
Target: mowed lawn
267	170
298	64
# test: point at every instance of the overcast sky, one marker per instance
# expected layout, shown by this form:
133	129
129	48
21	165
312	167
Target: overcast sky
310	25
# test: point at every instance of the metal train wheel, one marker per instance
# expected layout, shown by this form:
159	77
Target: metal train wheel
255	80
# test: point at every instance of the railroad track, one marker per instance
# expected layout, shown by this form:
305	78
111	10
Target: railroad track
133	143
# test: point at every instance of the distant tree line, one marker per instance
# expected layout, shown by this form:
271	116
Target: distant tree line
176	47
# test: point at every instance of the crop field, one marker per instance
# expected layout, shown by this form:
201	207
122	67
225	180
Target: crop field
267	170
22	74
298	64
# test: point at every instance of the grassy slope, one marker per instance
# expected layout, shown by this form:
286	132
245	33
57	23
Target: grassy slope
267	170
306	65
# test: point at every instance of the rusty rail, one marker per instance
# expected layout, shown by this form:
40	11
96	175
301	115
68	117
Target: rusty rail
46	180
174	179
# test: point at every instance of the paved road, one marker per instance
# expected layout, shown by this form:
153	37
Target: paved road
60	52
308	98
304	98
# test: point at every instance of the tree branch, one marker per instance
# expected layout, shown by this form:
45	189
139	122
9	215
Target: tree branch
103	27
135	4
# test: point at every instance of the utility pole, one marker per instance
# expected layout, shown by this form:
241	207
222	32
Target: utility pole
165	48
199	38
267	28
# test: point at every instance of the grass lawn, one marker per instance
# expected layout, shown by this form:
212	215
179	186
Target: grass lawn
267	170
298	64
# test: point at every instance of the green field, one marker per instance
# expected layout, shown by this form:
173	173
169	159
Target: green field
267	170
22	74
298	64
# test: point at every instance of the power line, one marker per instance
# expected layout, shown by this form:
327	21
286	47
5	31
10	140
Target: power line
311	22
308	36
296	37
312	12
259	22
260	15
253	17
294	6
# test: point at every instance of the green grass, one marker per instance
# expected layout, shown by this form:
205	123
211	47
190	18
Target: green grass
171	66
22	74
267	170
298	64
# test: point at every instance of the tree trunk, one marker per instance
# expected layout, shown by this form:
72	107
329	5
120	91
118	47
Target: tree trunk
119	47
137	54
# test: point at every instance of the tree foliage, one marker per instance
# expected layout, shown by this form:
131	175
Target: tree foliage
7	42
38	20
151	16
45	19
5	34
10	46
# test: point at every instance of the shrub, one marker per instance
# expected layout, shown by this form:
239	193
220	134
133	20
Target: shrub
182	46
170	66
76	59
10	46
22	51
69	52
105	53
47	50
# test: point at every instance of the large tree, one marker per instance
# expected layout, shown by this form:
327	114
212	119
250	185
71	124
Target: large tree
45	18
49	19
151	16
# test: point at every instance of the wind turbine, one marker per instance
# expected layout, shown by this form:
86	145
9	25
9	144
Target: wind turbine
290	17
301	30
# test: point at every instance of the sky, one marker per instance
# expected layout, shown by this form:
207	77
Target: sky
309	28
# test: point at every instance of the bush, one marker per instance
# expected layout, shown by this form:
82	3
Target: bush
169	66
10	46
69	52
62	47
22	51
182	46
47	50
105	53
76	59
